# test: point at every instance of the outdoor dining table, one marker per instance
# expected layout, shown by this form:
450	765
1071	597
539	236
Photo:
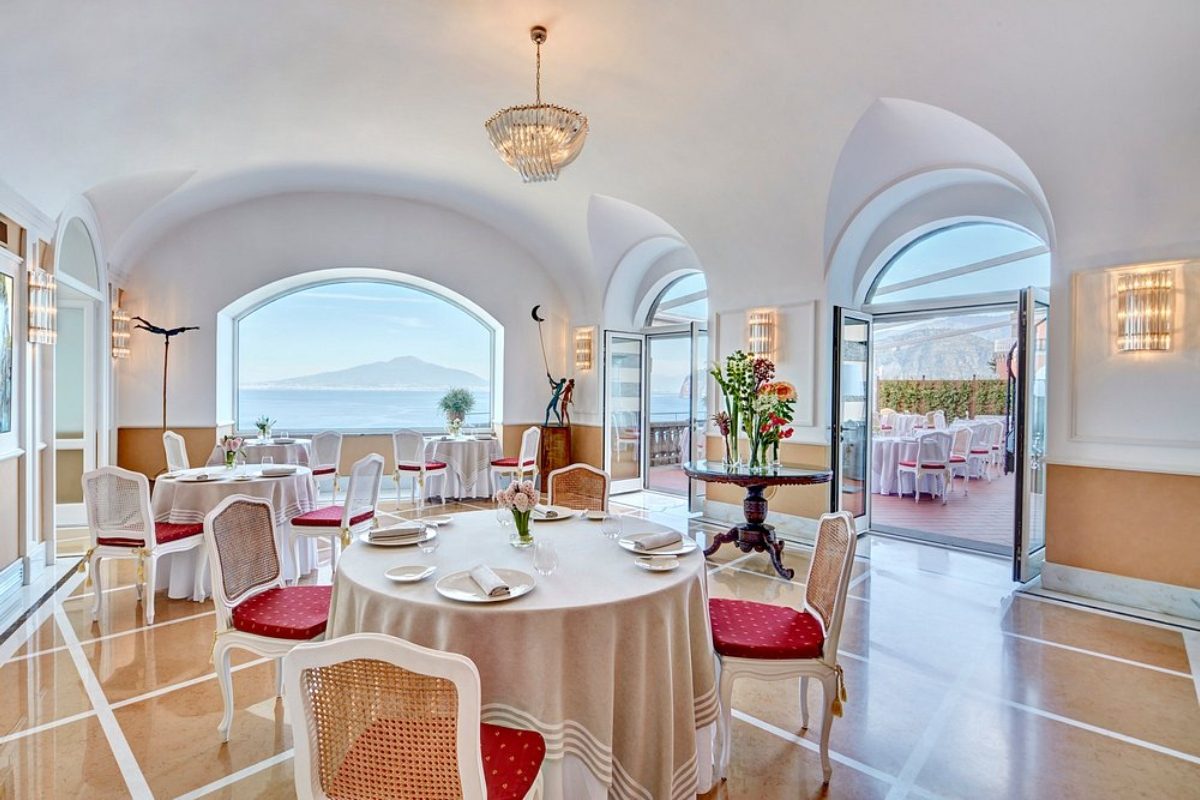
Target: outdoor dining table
612	664
469	466
183	500
886	454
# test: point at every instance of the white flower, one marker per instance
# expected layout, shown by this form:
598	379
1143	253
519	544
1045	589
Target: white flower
522	504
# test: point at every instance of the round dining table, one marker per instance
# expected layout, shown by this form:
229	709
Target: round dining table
296	451
886	454
469	466
181	498
612	664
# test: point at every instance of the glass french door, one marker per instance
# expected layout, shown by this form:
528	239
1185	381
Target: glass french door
851	423
624	410
698	424
1029	529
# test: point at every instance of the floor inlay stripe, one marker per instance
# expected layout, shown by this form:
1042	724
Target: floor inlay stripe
1191	643
117	635
234	777
159	692
1105	656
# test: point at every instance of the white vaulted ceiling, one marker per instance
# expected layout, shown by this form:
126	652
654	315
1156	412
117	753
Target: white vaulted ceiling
724	119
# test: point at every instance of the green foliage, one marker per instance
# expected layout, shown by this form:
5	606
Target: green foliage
956	398
456	404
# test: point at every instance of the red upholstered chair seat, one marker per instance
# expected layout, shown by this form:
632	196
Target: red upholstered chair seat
511	462
745	629
329	517
511	758
429	465
293	612
163	532
923	466
958	459
980	451
324	470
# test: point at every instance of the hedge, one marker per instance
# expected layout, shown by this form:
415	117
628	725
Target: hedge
957	398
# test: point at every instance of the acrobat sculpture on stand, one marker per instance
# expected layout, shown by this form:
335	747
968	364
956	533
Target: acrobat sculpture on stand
559	386
167	334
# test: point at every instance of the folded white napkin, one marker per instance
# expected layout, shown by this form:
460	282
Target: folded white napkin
645	542
544	513
409	530
279	470
491	583
200	476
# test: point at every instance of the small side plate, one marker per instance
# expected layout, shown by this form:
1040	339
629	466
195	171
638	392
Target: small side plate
410	573
553	514
430	533
438	519
657	563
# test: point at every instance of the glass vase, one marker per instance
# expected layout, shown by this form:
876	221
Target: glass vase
522	537
230	459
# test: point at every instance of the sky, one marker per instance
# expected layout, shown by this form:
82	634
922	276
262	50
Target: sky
340	325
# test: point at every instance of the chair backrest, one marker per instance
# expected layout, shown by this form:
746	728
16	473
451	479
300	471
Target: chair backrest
375	716
939	419
327	449
176	449
531	440
934	448
362	493
243	556
117	502
981	437
828	580
408	447
579	486
961	444
997	433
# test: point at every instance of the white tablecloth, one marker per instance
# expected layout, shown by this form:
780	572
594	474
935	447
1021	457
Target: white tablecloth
469	466
886	453
186	502
902	424
613	665
296	452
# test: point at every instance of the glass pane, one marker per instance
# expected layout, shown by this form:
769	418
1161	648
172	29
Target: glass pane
1036	538
925	269
624	408
684	300
669	409
699	387
78	255
853	424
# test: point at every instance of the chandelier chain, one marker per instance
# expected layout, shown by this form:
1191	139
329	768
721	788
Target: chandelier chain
538	80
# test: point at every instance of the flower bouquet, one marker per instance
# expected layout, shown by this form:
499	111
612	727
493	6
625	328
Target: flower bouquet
232	445
519	497
264	425
755	405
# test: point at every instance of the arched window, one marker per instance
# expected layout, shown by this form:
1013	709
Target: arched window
361	355
683	300
966	259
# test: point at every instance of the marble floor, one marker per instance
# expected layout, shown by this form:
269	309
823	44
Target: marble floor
958	688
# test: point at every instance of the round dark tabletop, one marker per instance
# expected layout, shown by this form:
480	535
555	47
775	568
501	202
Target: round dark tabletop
718	472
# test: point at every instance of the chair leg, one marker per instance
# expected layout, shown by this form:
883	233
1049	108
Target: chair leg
151	579
829	685
335	551
279	677
804	702
725	729
296	556
97	590
222	660
198	593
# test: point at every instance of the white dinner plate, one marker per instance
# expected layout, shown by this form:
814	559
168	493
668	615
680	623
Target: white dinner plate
410	573
244	478
287	440
559	514
460	586
429	533
201	478
595	516
278	472
438	519
682	548
657	563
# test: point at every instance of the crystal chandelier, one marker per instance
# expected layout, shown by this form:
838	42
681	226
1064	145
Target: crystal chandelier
538	140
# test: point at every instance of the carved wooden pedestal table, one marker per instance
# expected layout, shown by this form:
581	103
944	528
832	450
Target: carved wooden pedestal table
754	535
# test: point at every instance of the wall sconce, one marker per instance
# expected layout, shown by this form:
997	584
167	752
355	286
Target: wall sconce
1145	310
120	332
583	349
760	324
42	307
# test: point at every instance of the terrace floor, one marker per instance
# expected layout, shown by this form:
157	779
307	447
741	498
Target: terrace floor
982	517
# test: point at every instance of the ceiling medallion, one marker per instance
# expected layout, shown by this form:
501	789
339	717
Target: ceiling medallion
540	139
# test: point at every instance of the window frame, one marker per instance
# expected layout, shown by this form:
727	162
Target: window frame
236	342
652	312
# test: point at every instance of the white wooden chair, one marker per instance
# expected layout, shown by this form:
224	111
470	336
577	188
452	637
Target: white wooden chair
579	486
960	456
998	446
933	459
176	449
255	610
326	456
770	643
525	464
122	525
408	449
340	523
377	717
980	455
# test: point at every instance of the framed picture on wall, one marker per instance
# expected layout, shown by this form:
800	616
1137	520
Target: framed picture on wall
7	306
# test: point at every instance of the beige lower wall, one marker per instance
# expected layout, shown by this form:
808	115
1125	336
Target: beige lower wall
68	465
10	519
1138	524
141	449
800	501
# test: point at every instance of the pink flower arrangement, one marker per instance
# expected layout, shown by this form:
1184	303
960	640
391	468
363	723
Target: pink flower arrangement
519	497
232	444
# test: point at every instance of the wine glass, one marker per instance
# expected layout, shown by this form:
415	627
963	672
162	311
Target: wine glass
430	544
545	557
268	461
612	525
504	517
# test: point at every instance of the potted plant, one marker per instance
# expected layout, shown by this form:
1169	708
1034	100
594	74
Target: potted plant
264	425
456	404
519	497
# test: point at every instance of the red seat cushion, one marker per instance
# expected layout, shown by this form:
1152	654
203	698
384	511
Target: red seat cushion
983	451
923	466
511	759
958	459
293	612
745	629
417	467
511	462
163	532
329	517
324	470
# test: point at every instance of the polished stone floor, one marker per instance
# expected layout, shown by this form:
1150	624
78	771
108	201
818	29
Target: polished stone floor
958	688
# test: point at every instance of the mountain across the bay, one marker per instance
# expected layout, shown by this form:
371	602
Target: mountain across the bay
402	372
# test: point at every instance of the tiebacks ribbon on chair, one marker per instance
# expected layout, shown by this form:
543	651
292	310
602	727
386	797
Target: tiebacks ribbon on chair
83	567
839	692
140	552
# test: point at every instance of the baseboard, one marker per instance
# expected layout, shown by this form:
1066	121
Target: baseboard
1162	598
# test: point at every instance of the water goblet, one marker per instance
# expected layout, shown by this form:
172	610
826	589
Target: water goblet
430	545
504	517
612	525
545	557
268	461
